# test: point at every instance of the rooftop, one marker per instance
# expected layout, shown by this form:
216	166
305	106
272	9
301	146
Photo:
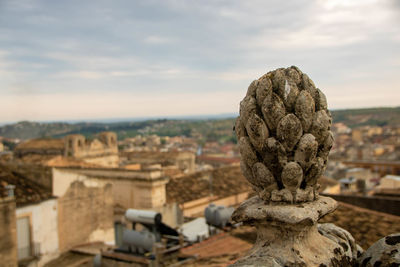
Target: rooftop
42	143
218	250
393	177
156	155
225	181
26	190
365	225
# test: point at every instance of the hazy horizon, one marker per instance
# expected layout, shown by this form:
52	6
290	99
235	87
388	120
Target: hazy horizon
160	117
74	60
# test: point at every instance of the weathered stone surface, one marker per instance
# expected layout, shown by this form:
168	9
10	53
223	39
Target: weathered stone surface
283	195
320	125
305	213
273	110
8	236
278	82
247	107
348	247
305	109
248	173
306	151
264	89
274	157
265	194
290	95
287	235
308	194
316	170
326	146
283	159
320	102
289	131
308	85
263	176
239	129
257	131
283	118
292	175
249	156
385	253
251	91
294	74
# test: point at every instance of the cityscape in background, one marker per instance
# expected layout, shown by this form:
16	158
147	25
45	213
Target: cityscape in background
154	133
73	184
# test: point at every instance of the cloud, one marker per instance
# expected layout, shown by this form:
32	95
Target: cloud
157	40
58	50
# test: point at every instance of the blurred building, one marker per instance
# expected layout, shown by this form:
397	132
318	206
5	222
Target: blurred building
389	182
357	135
184	161
50	221
8	230
102	150
360	174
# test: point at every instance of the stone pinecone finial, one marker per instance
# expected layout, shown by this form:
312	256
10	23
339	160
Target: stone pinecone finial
284	136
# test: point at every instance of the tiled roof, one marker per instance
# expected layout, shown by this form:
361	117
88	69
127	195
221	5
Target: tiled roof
155	155
26	191
326	182
60	161
217	245
55	161
365	225
225	181
42	143
216	159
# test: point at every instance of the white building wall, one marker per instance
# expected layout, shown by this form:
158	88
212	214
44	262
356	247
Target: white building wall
44	227
62	180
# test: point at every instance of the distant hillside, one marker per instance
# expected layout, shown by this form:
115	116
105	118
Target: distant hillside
212	129
204	129
369	116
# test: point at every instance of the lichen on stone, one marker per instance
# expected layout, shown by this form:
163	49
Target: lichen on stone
284	136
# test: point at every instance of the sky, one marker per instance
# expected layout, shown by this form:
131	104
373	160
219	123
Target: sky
94	59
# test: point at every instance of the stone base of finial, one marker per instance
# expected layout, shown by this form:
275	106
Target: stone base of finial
287	235
299	195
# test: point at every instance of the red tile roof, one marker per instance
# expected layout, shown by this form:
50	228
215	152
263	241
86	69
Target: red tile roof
42	143
26	190
215	159
225	181
217	245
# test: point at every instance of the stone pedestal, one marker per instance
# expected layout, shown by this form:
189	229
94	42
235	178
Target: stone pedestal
287	234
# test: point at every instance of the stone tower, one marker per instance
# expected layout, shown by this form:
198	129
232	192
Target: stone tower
110	141
75	145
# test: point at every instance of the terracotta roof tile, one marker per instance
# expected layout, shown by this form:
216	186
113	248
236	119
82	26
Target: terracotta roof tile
365	225
26	191
42	143
217	245
225	181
